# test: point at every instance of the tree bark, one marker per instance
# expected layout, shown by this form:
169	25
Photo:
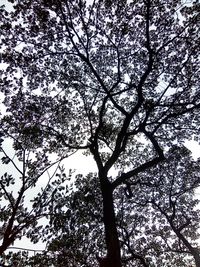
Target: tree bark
5	244
113	258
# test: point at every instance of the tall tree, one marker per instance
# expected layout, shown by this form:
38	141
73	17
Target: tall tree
21	171
117	79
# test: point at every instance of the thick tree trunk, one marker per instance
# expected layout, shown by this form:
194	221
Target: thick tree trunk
113	258
2	249
4	246
7	241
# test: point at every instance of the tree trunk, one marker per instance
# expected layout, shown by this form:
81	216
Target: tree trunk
113	258
4	246
7	241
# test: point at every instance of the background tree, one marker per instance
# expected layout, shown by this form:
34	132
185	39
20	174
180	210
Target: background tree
21	172
174	203
119	80
166	197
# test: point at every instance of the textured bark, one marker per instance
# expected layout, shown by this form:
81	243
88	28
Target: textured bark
113	258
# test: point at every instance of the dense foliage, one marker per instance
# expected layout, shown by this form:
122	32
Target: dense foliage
119	81
155	225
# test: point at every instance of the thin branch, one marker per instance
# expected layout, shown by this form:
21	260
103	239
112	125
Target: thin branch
7	194
12	161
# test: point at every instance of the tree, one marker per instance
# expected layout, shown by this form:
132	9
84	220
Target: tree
147	237
74	232
117	80
166	194
175	203
21	206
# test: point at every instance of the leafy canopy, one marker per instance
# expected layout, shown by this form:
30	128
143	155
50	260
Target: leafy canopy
116	80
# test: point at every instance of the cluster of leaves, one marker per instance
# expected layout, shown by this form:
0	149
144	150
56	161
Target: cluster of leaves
63	45
75	229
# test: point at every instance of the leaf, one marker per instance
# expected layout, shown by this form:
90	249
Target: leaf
5	160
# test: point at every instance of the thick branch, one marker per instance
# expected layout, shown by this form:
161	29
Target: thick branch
137	170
